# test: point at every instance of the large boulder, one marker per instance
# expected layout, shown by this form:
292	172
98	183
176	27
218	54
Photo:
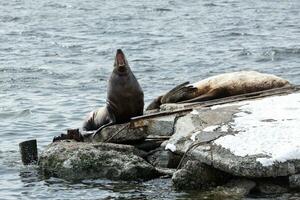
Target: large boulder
75	161
254	138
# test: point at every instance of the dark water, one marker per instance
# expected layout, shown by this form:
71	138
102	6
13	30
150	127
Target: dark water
56	56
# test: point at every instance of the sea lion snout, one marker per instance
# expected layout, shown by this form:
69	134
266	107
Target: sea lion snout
120	58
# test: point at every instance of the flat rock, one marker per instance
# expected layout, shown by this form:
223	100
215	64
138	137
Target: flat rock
253	138
76	161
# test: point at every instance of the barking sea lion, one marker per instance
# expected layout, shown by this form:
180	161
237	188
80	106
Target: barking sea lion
220	86
125	99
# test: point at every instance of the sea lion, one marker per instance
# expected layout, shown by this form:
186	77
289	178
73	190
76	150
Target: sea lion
220	86
125	99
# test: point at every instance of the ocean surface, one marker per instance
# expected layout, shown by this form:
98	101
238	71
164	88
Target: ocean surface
56	57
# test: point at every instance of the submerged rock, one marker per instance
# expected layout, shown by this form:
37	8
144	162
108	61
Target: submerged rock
294	181
234	189
271	188
75	161
196	175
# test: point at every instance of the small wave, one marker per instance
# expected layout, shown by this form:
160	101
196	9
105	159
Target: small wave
245	52
15	114
209	4
57	5
278	53
163	9
8	18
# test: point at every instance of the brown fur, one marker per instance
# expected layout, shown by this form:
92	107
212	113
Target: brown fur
220	86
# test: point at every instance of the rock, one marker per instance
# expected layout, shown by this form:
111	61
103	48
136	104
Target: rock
167	172
171	106
164	159
120	134
196	175
244	139
294	181
148	145
270	188
76	161
234	189
163	126
241	187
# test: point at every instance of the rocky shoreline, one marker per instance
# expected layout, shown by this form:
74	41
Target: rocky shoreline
233	146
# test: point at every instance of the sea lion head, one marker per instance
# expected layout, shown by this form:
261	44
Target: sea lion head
121	64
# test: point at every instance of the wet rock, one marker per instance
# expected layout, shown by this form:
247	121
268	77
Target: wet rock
235	189
76	161
241	187
271	188
196	175
294	181
166	172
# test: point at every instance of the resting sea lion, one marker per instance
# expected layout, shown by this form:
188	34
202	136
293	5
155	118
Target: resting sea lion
220	86
125	99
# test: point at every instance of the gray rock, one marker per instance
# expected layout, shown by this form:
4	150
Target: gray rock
195	175
148	145
76	161
171	106
164	159
235	189
197	132
163	126
241	187
271	188
294	181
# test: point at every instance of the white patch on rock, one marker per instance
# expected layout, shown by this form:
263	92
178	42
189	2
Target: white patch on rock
195	112
211	128
224	128
170	147
67	164
193	137
268	126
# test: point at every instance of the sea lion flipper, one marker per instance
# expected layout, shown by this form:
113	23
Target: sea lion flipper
180	94
166	98
102	127
111	121
155	104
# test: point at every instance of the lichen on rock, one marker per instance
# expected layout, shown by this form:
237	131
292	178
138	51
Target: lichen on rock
75	161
